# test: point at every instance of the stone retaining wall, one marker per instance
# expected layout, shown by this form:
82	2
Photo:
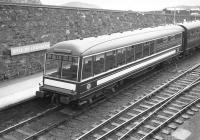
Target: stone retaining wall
22	25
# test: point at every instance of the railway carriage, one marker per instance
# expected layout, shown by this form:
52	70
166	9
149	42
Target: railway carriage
76	69
191	35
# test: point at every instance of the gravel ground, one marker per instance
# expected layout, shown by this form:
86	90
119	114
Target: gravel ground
73	128
22	111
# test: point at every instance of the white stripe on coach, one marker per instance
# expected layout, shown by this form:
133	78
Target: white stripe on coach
146	63
60	84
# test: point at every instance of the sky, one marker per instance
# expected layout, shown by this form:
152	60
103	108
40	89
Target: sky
134	5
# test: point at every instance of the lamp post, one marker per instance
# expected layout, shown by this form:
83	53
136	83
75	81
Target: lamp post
174	15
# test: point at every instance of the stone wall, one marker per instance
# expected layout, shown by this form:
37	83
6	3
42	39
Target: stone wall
29	24
22	1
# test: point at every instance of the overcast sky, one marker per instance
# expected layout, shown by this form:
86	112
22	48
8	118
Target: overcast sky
135	5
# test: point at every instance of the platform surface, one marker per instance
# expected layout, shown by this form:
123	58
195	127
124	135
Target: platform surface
18	90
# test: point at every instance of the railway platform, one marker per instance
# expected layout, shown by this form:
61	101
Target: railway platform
18	90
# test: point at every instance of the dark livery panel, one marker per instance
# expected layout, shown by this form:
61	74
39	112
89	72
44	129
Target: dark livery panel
191	35
74	70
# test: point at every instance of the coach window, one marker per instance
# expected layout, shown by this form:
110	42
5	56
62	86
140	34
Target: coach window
53	65
87	67
130	54
110	60
151	47
138	51
69	68
98	64
146	50
121	56
159	41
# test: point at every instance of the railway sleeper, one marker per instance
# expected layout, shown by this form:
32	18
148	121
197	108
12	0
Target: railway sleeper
186	80
174	88
161	97
197	90
142	132
190	112
150	127
145	106
182	82
179	86
190	96
165	131
106	129
173	108
170	91
198	105
97	135
178	121
158	137
150	103
185	116
168	112
157	122
197	73
173	126
181	102
185	98
194	93
162	117
195	109
178	105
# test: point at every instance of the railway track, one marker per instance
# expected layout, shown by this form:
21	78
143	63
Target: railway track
8	132
143	118
26	129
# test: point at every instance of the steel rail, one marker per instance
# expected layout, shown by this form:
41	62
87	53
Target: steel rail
7	130
173	117
137	102
131	119
62	121
161	107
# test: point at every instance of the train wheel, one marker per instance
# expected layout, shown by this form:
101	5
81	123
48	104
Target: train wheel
120	83
113	89
55	99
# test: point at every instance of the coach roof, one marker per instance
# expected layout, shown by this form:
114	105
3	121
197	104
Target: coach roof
93	45
191	25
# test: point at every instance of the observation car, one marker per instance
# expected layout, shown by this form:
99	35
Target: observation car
76	69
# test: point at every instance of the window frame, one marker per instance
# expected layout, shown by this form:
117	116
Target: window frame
67	80
152	42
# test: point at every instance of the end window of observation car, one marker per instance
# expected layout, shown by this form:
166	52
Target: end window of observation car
69	68
61	66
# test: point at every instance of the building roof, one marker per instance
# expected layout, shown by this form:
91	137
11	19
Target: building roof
93	45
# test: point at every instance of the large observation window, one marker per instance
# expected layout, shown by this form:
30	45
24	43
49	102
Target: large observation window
61	66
